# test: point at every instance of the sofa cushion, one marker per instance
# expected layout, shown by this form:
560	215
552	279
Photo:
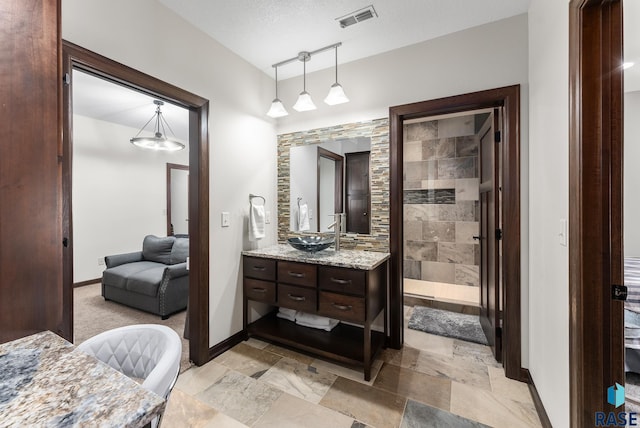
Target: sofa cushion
157	249
146	281
180	251
117	276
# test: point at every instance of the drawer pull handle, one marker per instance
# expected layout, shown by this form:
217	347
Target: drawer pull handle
259	290
296	298
296	274
342	307
341	281
258	268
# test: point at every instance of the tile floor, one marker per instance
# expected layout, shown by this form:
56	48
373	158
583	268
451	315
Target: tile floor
432	382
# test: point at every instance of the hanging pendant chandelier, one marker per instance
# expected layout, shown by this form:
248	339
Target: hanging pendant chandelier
305	103
336	92
159	140
277	108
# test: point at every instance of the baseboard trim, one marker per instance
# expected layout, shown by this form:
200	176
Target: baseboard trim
227	344
87	282
537	401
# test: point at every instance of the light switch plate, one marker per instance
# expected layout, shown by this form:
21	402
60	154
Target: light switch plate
225	219
267	217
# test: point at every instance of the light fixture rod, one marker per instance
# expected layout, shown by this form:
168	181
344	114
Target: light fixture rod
309	55
336	49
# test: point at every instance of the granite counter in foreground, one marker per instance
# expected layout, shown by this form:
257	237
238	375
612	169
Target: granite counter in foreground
354	259
46	381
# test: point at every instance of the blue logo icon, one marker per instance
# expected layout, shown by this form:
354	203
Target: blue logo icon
615	395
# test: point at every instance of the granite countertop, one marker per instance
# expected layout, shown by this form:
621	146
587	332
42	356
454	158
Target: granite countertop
354	259
46	381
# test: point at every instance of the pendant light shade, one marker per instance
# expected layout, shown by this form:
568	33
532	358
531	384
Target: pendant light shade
277	108
336	95
159	140
304	103
336	92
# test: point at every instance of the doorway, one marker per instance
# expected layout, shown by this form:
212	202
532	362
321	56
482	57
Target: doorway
177	199
508	303
78	58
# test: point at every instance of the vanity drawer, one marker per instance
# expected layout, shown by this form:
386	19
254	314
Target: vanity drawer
342	280
261	291
257	267
298	273
339	306
298	298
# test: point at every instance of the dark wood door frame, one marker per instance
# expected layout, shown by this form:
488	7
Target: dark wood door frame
509	98
171	166
76	57
596	338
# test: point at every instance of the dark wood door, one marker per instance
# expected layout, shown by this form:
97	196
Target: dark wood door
358	193
490	235
596	319
31	237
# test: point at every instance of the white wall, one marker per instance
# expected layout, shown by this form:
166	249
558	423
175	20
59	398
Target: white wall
549	195
631	174
145	35
119	193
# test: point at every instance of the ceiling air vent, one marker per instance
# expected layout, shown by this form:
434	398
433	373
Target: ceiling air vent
357	16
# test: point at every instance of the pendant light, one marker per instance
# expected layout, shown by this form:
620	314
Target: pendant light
336	92
159	141
304	103
277	108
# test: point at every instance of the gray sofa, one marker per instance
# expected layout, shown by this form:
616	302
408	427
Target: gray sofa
154	280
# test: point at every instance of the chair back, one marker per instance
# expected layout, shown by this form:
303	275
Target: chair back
149	352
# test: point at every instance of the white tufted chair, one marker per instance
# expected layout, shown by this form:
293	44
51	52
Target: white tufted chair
145	351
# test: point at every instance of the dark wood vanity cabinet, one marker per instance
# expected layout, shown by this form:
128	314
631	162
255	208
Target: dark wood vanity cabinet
354	296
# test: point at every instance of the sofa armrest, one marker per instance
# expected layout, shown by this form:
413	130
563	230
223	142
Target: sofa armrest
176	271
120	259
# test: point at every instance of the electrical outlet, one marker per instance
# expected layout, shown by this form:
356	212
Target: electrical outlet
100	261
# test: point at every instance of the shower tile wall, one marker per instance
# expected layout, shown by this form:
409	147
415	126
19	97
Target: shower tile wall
441	202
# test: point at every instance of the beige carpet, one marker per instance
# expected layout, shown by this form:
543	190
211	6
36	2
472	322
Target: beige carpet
93	315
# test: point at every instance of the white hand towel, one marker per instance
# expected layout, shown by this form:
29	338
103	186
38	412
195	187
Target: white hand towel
314	320
256	222
303	218
287	314
332	323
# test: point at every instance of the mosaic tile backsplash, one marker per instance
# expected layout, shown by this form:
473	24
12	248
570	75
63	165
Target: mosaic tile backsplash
441	201
378	131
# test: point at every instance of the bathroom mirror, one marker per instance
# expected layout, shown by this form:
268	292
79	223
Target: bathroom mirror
330	177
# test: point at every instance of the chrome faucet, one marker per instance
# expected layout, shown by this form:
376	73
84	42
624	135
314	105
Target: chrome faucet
336	225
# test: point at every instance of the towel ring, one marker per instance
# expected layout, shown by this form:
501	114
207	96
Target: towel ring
299	199
251	196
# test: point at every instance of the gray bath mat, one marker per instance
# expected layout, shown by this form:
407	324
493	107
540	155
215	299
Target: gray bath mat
447	324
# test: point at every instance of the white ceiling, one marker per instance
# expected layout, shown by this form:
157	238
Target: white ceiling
100	99
268	31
